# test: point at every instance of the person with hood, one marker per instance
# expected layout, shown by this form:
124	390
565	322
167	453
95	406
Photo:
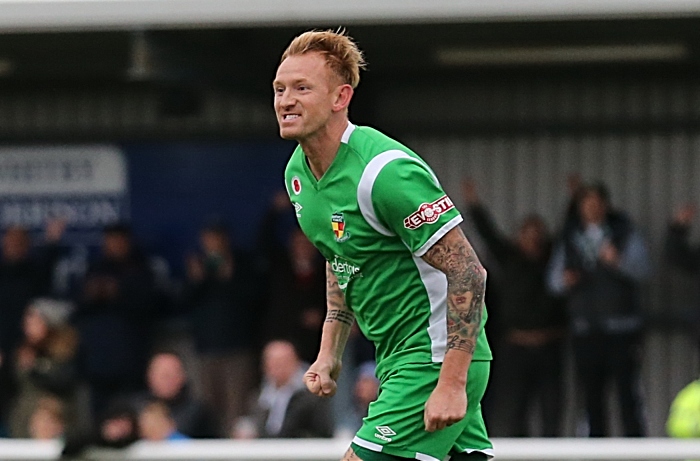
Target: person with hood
44	364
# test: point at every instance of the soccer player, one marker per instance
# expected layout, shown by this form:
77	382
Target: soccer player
397	262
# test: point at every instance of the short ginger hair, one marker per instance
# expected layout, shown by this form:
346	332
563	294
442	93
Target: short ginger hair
340	51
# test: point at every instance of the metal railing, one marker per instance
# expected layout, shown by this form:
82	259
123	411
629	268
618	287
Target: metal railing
660	449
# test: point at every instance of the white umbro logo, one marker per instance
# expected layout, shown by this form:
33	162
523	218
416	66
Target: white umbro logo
297	209
385	432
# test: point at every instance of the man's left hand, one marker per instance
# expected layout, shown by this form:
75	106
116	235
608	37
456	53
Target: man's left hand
447	405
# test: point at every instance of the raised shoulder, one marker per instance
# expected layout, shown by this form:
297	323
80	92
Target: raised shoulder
367	143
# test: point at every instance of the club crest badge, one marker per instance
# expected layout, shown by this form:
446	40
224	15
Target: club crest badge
338	224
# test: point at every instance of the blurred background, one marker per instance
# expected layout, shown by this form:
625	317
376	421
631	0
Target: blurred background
149	256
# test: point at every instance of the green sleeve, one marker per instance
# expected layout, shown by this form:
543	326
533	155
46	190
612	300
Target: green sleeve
410	202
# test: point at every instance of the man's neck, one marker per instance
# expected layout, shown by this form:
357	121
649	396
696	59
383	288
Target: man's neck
322	148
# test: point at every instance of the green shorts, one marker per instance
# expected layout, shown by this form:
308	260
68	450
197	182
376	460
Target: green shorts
395	426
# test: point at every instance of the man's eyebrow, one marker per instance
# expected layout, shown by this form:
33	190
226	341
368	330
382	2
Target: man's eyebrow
293	82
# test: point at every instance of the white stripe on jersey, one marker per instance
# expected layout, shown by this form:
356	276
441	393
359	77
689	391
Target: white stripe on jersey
435	283
366	184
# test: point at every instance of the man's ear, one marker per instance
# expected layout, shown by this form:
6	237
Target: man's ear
343	95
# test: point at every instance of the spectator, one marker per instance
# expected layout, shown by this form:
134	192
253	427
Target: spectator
168	384
44	365
295	294
296	303
366	390
359	353
285	409
47	421
679	250
533	324
220	297
684	416
600	264
156	424
23	277
683	255
115	318
117	427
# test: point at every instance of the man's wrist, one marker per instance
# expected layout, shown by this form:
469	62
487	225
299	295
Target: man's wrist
453	372
452	384
327	356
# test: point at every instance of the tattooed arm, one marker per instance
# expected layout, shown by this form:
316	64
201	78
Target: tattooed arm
466	279
321	377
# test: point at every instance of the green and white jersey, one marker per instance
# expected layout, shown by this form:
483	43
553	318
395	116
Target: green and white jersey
373	214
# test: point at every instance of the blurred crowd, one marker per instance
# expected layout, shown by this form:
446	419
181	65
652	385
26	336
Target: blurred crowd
123	351
126	352
577	288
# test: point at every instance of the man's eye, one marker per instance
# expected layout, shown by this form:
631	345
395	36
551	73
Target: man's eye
303	88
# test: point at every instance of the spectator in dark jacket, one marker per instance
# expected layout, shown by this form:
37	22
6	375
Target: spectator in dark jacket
679	250
24	275
169	385
220	294
529	368
684	255
117	427
600	264
295	294
285	408
115	318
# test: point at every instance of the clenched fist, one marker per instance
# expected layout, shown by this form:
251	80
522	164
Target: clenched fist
447	405
320	378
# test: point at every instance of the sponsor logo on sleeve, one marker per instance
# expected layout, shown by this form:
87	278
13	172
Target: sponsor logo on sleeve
428	213
297	209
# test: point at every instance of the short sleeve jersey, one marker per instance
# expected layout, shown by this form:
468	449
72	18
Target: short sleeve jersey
373	214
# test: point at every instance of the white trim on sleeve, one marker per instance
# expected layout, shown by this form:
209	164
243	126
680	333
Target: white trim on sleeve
448	226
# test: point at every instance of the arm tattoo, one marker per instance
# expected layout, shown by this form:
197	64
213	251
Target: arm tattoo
345	317
466	281
337	310
455	342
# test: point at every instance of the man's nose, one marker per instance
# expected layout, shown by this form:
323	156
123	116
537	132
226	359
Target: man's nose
286	99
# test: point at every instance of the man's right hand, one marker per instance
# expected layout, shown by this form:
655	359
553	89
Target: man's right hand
320	379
